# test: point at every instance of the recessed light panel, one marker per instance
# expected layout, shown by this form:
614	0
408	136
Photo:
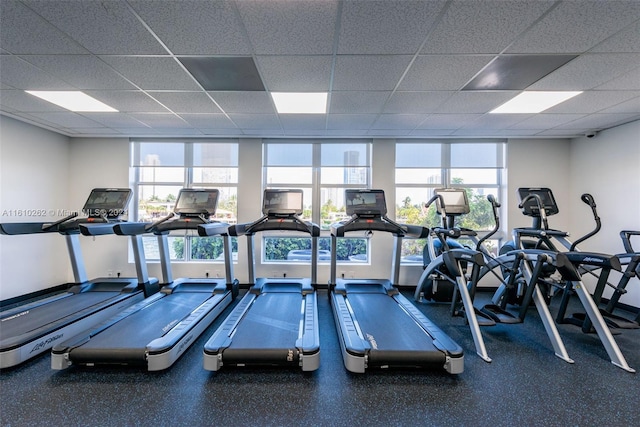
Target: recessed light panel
224	73
300	102
75	101
516	72
533	102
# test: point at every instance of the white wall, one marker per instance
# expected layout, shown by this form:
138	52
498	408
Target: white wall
34	165
608	167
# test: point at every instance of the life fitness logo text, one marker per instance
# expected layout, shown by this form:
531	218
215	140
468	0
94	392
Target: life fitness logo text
45	343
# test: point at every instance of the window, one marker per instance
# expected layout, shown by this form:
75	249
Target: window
423	166
323	170
160	169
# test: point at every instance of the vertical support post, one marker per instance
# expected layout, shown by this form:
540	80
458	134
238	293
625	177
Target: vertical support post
165	258
75	255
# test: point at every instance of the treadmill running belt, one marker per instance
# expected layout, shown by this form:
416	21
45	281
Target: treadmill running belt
42	315
272	322
393	335
129	337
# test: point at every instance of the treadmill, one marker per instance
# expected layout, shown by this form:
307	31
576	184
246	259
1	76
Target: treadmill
155	332
377	326
276	322
34	327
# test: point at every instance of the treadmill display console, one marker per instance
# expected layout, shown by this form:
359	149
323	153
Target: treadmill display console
109	202
530	208
365	202
282	202
197	202
455	201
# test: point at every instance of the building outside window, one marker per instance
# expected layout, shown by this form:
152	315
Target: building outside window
323	170
423	166
160	169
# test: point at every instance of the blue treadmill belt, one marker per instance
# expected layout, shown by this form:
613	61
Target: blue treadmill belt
393	335
272	322
128	338
45	314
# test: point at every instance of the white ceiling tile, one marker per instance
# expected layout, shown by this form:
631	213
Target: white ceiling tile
244	102
160	120
103	27
627	40
493	121
256	121
577	26
18	73
443	72
592	102
416	102
385	27
68	119
545	121
289	28
19	100
598	121
630	106
185	27
350	121
128	101
303	121
431	132
472	27
447	121
117	120
628	81
295	73
361	102
80	71
475	102
369	72
152	73
186	102
388	132
588	71
220	132
398	121
209	121
25	32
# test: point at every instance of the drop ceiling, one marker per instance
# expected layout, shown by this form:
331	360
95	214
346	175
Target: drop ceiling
391	68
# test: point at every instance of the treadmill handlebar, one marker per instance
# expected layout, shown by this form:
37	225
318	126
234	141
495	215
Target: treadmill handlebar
213	229
275	223
378	223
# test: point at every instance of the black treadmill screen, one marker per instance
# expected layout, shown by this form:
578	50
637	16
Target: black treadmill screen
365	202
197	202
455	201
282	202
530	208
109	202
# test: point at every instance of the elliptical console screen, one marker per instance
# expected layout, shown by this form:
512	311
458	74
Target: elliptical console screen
365	202
197	202
455	201
282	202
109	202
530	208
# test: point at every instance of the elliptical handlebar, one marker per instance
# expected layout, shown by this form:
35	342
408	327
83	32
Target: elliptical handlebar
589	200
625	235
495	205
442	206
541	209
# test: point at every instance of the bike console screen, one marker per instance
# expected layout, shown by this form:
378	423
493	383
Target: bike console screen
530	207
365	202
455	201
107	202
282	202
197	202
